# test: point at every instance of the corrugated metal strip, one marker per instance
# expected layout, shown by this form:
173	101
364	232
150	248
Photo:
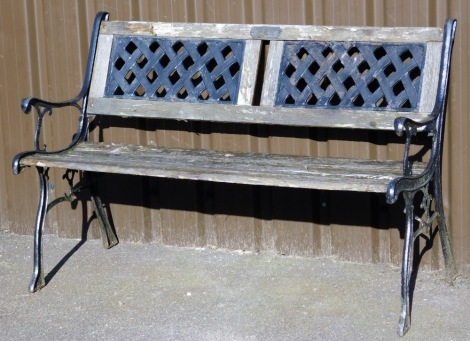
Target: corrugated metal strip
44	46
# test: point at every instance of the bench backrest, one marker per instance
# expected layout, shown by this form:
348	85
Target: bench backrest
209	72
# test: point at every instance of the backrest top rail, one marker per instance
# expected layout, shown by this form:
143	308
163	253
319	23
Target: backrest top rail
274	32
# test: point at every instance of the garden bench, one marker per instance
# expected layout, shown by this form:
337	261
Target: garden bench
379	79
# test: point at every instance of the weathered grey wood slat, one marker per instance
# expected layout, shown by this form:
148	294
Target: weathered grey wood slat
245	168
100	70
249	72
430	77
271	77
304	117
274	32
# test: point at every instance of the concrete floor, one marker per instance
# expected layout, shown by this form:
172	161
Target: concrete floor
152	292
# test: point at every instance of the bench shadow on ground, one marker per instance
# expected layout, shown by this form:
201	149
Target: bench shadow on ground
260	202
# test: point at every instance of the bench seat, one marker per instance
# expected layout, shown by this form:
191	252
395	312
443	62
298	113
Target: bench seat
340	174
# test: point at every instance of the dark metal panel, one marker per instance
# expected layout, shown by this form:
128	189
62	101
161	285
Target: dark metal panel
351	75
190	70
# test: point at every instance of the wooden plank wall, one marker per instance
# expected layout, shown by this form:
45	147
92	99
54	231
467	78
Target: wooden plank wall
43	49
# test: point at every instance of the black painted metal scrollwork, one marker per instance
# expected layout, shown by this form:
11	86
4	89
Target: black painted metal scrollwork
190	70
44	108
79	102
351	75
410	184
425	222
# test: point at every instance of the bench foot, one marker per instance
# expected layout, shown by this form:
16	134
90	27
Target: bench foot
404	324
38	280
405	321
108	235
451	267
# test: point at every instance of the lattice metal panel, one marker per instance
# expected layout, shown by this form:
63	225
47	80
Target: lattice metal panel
351	75
175	70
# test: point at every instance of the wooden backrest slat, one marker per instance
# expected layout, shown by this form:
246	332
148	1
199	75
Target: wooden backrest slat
225	113
249	72
430	76
273	65
100	69
275	32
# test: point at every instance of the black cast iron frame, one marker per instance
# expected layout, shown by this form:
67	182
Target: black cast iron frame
409	184
44	108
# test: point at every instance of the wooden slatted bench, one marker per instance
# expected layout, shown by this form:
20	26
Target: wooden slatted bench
379	79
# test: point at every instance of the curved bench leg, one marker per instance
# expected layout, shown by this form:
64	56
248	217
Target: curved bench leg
405	319
451	268
108	235
37	280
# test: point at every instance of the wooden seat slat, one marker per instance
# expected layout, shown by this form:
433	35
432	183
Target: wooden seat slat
245	168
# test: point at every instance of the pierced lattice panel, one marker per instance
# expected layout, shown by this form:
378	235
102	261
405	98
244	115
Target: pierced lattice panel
351	75
175	70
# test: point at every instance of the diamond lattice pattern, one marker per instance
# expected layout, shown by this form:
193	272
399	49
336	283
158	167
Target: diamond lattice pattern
175	70
351	75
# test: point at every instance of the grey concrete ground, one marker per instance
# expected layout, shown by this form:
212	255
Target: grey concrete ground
152	292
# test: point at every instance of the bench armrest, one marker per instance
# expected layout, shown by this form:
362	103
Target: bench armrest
42	109
29	102
404	124
409	181
434	123
79	102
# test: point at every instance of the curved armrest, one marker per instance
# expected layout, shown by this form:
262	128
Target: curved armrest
404	124
408	184
15	165
79	102
29	102
45	107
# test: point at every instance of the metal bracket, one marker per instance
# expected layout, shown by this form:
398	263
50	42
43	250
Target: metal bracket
426	221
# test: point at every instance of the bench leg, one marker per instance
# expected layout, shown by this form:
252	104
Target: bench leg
37	280
108	235
451	268
405	320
